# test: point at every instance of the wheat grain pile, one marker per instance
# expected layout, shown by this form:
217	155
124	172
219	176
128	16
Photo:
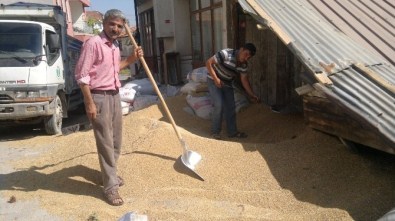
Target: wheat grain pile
284	170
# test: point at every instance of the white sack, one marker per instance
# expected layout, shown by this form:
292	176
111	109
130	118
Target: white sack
144	101
198	75
141	86
194	87
202	106
125	107
127	94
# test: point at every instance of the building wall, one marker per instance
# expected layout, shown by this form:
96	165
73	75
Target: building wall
274	71
182	39
77	15
173	35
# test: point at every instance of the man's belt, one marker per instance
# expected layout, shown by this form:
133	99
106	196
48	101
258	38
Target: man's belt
105	92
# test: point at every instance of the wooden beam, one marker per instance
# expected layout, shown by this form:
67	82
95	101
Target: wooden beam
307	88
323	78
374	76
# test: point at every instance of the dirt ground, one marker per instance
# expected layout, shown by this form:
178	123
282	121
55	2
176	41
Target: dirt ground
284	170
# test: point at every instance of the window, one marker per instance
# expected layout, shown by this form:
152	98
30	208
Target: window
146	24
206	28
147	30
52	54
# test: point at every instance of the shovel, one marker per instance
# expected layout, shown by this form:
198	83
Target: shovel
189	158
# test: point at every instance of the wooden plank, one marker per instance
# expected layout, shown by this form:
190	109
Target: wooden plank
307	88
258	64
323	115
272	68
283	86
374	76
323	78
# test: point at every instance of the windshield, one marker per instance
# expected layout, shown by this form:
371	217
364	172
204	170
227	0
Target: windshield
20	39
19	43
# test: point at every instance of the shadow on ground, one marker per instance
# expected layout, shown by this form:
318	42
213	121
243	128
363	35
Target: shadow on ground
62	181
317	168
76	121
332	177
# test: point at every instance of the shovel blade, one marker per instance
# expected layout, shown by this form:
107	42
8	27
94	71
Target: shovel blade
191	159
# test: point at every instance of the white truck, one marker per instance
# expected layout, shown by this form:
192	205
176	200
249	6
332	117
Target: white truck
37	60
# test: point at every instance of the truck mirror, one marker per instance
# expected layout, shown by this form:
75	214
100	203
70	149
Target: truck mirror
53	41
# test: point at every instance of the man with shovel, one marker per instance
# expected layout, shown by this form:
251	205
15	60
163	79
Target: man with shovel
223	68
97	74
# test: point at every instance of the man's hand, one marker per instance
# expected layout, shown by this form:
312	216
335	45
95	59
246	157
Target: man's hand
218	82
91	110
255	99
138	52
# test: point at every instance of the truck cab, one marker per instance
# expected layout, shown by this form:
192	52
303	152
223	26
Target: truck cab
37	61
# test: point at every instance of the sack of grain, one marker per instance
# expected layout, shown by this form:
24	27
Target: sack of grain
127	94
125	107
194	87
144	101
141	86
202	106
198	75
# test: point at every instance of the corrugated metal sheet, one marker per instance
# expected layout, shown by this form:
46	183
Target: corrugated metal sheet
344	33
369	23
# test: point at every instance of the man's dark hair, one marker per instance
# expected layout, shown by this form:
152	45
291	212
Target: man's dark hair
251	47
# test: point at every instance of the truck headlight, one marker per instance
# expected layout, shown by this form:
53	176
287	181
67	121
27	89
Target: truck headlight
44	93
20	94
33	94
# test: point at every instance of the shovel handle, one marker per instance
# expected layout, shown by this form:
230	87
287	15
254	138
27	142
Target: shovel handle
147	70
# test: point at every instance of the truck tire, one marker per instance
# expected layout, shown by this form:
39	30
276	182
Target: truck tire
53	123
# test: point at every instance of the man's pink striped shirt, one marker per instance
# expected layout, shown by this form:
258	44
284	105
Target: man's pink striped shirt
98	65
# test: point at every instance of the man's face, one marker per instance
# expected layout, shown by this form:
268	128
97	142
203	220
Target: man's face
244	55
113	27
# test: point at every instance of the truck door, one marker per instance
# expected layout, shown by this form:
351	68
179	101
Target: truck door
54	58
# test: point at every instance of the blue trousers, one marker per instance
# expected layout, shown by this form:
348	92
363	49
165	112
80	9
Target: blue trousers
224	105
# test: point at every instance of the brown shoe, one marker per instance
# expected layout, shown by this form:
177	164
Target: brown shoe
113	198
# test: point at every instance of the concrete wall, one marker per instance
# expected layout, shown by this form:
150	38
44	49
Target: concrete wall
77	15
182	38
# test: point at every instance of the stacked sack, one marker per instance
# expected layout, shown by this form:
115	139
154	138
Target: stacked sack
196	89
136	95
198	97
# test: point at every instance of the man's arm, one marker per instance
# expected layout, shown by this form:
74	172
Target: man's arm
209	65
246	84
90	106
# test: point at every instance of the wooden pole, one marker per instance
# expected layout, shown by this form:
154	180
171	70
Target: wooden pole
153	82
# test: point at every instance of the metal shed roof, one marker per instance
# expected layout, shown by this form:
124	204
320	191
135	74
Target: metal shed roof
344	33
370	23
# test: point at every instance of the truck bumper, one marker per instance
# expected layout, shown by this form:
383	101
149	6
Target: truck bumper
17	111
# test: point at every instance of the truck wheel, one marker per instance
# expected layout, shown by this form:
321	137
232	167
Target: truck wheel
53	124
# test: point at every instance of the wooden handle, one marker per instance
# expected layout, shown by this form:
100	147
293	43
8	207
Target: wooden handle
154	84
